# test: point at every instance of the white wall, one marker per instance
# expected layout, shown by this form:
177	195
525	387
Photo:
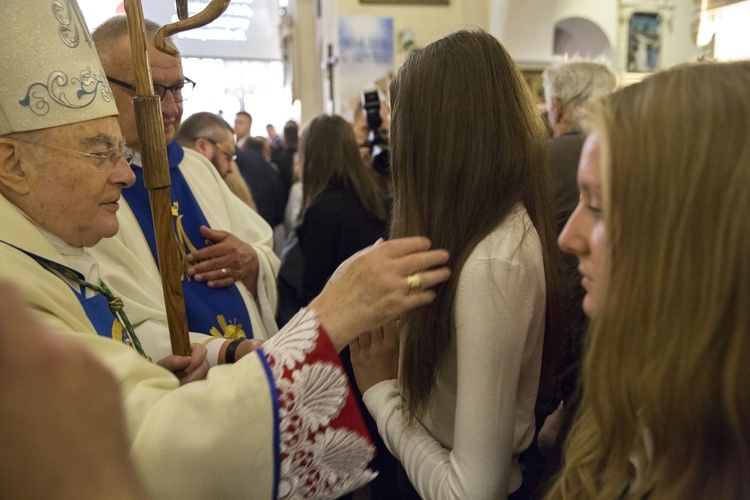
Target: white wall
679	45
525	27
429	22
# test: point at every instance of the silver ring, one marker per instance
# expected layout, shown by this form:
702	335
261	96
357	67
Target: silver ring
224	271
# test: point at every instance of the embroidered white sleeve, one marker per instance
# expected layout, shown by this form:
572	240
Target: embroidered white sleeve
292	348
318	461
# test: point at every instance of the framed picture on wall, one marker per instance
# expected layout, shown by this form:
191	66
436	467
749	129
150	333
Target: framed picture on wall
645	29
407	2
644	37
533	78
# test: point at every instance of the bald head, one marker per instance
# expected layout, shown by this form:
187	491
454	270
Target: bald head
112	30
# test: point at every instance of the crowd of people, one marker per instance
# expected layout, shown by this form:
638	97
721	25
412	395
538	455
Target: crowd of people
437	344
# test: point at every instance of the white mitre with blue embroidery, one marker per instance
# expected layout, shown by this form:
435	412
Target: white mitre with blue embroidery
50	74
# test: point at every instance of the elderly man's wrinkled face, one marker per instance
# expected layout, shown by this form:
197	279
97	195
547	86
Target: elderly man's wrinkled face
165	70
72	195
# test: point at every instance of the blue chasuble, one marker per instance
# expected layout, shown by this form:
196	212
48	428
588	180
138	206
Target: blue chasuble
220	312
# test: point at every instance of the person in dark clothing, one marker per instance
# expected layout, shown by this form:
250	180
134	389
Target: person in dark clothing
265	184
569	86
342	214
284	157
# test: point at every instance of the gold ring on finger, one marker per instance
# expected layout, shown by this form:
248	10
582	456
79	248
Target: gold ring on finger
414	282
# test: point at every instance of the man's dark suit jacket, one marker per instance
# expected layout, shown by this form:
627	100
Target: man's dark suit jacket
265	185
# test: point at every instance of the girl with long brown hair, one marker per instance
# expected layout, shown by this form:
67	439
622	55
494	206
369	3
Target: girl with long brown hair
469	168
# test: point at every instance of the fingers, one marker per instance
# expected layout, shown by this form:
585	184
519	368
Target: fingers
423	260
197	356
400	247
174	363
199	373
364	341
432	277
354	350
219	272
374	357
211	251
214	235
224	263
389	334
372	287
216	279
207	254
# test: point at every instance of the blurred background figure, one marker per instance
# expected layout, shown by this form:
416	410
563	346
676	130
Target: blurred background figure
242	124
284	156
294	203
273	137
361	131
569	88
212	137
261	145
264	181
342	214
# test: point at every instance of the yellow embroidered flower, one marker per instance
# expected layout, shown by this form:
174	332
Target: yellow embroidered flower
231	331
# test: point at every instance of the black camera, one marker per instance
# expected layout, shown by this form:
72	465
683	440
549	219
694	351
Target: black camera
377	141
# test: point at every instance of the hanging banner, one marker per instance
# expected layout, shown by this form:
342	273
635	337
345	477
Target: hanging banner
365	58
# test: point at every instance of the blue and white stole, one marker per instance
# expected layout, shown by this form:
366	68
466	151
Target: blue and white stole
99	308
220	312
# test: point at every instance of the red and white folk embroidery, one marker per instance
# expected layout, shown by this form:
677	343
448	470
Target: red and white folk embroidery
325	447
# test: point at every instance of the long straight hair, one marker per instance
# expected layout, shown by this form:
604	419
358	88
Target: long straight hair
666	357
330	158
467	145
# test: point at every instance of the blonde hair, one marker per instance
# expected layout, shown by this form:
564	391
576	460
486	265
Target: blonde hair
667	352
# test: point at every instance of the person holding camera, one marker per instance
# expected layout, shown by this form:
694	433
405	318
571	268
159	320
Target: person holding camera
371	120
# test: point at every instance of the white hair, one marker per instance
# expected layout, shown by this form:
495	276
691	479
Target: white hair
576	83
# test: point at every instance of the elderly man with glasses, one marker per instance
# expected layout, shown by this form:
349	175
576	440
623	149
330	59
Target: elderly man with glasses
229	278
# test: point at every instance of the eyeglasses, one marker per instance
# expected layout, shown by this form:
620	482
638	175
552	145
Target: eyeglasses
180	91
110	156
231	155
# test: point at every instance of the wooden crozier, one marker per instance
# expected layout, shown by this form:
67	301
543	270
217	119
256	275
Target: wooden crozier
154	154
